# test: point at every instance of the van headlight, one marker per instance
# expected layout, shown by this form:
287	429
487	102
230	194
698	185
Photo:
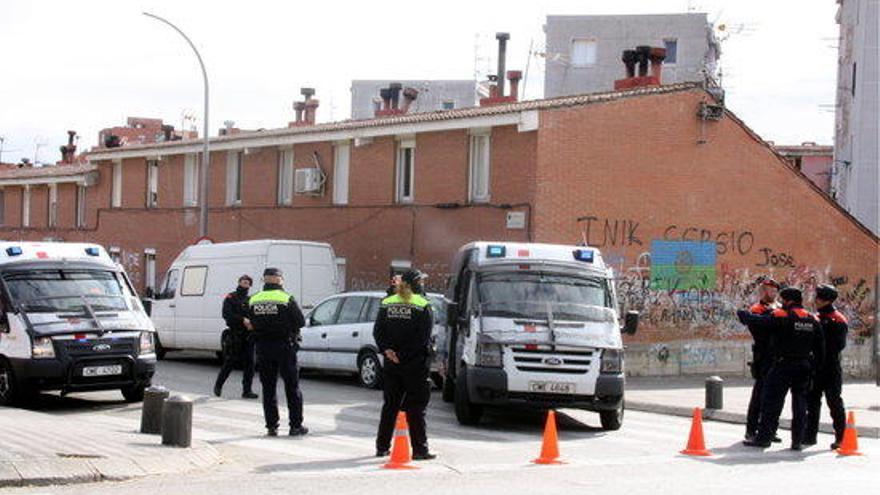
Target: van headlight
146	345
42	348
612	361
489	355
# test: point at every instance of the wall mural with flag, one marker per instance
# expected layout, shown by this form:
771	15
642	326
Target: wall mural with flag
682	265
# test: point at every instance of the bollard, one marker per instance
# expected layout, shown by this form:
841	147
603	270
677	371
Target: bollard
151	414
177	421
714	392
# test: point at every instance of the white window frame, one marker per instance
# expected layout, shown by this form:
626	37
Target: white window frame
587	63
190	180
52	221
150	269
80	206
234	172
400	177
26	207
285	177
677	50
479	164
152	197
116	186
341	172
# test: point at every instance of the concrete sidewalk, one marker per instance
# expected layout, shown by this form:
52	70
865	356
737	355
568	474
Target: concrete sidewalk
679	396
50	449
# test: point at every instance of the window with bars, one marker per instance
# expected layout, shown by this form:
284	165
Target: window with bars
285	177
479	168
152	183
406	154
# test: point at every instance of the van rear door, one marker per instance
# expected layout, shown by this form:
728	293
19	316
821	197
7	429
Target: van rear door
318	274
288	258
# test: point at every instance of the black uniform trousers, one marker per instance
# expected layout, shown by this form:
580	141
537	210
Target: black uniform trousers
242	354
276	357
753	416
785	374
406	388
829	381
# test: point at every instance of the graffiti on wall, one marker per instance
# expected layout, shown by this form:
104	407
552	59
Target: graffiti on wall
682	265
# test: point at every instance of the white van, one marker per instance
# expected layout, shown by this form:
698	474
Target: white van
71	321
536	325
338	336
187	307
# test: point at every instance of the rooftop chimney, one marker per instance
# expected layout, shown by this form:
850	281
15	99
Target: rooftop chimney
168	132
502	60
409	96
306	109
395	88
68	151
643	56
496	91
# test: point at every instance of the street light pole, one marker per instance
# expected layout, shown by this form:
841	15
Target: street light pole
206	157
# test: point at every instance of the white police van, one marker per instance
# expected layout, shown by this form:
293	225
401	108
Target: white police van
535	325
70	321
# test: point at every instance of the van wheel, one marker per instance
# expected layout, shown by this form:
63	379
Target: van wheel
134	393
466	412
10	392
448	390
370	370
612	420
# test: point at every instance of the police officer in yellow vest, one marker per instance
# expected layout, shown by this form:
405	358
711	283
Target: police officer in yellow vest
276	321
403	335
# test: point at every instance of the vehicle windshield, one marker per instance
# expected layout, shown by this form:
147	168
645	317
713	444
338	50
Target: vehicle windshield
535	295
52	291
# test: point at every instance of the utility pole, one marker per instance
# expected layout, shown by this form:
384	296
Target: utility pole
206	157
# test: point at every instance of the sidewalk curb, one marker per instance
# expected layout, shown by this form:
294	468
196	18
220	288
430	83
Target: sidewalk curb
732	417
66	471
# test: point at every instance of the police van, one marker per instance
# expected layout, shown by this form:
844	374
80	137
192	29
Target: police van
534	325
70	321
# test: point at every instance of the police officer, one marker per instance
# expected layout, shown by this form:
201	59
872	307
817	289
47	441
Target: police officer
276	321
796	344
829	378
403	335
239	346
760	365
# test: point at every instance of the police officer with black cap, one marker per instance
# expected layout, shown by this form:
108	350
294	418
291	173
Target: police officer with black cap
276	321
238	342
797	346
403	335
829	377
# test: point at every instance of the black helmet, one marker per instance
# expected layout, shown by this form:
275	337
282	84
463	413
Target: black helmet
272	272
826	292
791	294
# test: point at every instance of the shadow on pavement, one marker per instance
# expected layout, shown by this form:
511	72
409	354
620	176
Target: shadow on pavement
738	454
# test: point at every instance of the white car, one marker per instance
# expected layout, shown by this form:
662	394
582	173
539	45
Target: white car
338	336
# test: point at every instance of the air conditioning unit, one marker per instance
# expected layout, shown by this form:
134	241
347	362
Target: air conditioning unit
309	181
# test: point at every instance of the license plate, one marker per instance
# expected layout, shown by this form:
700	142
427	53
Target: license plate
113	369
552	387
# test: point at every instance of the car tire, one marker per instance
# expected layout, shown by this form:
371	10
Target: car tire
10	391
135	393
370	370
437	380
612	420
448	393
160	350
466	412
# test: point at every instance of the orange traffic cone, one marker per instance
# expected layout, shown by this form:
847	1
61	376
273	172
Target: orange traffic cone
850	443
400	453
696	445
550	446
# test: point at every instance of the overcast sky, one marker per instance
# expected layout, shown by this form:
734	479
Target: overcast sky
86	65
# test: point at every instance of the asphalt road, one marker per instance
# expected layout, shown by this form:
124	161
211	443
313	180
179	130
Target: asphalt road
337	456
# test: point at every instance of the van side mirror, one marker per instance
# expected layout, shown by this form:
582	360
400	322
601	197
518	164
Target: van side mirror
4	323
630	323
149	293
